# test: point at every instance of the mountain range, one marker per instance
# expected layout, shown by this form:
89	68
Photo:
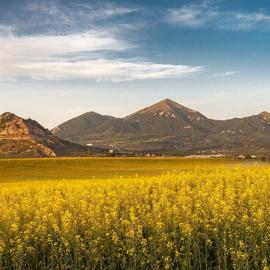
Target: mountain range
165	128
170	128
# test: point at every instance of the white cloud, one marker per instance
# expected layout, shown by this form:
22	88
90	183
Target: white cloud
6	30
245	21
83	10
52	16
78	56
8	79
76	41
206	15
224	74
106	10
193	15
103	70
36	47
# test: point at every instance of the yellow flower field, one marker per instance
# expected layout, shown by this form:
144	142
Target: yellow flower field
196	219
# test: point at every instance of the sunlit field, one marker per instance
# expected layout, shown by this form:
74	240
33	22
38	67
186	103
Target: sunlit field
100	168
134	214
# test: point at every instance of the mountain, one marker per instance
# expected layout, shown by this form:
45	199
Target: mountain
165	118
80	126
168	127
26	138
168	117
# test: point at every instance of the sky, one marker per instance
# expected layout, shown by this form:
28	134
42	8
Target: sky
62	58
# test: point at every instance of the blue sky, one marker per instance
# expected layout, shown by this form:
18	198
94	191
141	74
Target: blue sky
61	58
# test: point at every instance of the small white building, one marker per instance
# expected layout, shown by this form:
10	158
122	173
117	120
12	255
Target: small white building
89	144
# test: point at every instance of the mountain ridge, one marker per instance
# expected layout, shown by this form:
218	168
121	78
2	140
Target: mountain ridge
168	126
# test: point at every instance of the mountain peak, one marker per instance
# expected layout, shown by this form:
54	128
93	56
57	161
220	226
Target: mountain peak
21	137
91	113
10	123
168	117
167	101
13	126
81	124
167	105
265	115
7	116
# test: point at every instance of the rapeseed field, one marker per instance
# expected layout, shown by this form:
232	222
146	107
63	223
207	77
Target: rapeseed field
205	218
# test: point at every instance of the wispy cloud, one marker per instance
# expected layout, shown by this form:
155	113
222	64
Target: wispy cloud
237	21
224	74
104	70
7	79
72	16
91	10
77	41
206	15
6	30
192	15
79	56
25	47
